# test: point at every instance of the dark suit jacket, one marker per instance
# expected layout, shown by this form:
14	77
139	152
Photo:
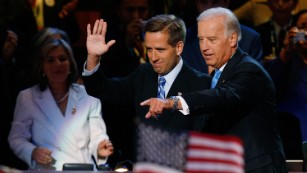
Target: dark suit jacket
243	103
269	39
191	54
266	33
143	84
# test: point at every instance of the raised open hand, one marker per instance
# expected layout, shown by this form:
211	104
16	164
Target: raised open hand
95	43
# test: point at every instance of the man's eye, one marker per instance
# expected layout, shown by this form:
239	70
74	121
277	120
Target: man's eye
211	39
49	60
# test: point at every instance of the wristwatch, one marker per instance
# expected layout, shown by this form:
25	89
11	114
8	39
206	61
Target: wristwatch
175	99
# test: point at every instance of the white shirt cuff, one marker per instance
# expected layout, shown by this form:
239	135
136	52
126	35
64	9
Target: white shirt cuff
185	108
88	73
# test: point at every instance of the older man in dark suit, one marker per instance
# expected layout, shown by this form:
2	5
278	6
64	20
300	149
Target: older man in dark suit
164	41
250	42
242	100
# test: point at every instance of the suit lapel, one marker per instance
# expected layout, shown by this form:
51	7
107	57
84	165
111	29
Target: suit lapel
73	101
175	90
230	66
178	84
54	116
72	115
150	86
49	108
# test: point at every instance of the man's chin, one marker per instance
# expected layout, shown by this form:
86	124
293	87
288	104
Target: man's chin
209	63
158	70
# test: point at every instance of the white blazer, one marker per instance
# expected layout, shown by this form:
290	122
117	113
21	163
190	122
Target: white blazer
73	138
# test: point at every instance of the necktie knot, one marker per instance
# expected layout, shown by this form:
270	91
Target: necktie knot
162	81
215	78
161	91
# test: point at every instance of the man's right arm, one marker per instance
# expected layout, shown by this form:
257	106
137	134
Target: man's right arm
95	44
87	72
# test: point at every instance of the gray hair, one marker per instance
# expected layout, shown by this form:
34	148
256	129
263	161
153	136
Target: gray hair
231	21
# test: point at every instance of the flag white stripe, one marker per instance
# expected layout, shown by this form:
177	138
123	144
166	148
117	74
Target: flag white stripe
219	144
219	155
213	167
145	166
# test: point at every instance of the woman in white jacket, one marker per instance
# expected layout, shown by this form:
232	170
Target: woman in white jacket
56	121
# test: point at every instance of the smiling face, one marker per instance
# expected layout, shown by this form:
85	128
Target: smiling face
216	46
56	65
161	54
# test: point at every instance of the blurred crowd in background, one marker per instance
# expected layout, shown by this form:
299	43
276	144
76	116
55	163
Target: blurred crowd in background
282	33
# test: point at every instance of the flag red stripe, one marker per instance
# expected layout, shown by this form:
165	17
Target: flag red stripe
207	153
217	137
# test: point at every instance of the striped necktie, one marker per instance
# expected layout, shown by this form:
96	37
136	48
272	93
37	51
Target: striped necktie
161	92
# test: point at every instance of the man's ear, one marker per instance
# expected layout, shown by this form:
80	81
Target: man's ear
234	39
179	47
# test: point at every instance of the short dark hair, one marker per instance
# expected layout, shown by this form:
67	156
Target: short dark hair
170	23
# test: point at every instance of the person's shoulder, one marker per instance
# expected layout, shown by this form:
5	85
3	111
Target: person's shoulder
263	26
144	67
81	91
194	78
79	88
191	32
248	62
194	72
34	88
29	93
241	57
248	30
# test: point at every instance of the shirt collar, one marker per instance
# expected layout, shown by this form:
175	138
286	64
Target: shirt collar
171	76
223	66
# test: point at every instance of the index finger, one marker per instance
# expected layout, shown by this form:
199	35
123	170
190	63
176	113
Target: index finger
145	103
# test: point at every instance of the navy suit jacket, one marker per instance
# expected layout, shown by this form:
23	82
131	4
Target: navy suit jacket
142	85
191	54
243	104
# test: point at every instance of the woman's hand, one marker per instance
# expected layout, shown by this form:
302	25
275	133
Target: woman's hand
42	155
288	41
105	148
293	45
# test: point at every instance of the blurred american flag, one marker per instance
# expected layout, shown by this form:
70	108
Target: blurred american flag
162	151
